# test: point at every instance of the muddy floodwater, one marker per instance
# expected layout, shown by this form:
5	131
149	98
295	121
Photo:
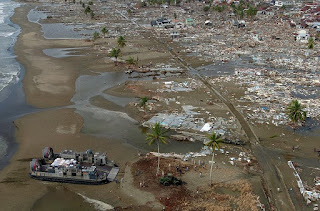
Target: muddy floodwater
114	124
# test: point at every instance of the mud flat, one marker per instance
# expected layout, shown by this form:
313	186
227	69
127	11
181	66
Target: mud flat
89	102
49	83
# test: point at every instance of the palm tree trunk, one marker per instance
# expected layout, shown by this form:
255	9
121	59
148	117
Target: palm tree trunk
211	167
158	159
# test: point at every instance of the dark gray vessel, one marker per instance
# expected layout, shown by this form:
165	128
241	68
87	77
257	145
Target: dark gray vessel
73	167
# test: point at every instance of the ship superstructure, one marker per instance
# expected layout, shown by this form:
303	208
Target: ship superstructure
73	167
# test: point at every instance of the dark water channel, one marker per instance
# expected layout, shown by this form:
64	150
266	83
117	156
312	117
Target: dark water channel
114	124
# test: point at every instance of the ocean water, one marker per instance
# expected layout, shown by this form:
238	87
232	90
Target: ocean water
9	67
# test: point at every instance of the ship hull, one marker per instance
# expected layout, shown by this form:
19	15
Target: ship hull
69	180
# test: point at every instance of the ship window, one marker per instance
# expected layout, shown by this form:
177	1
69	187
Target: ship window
73	174
64	173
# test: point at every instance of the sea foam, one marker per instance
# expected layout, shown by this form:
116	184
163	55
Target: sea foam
9	68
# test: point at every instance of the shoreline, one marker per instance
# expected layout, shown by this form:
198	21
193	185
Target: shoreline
12	106
49	85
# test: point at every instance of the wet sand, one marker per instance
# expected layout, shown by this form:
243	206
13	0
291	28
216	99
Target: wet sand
49	83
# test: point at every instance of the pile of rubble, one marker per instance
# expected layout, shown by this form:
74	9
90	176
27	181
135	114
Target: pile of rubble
189	120
268	93
309	194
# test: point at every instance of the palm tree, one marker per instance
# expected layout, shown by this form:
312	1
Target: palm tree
121	41
95	35
310	43
296	113
252	11
132	61
214	143
104	31
91	14
115	52
87	10
143	102
158	135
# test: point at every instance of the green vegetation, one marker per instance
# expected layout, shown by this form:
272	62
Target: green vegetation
157	135
214	143
252	11
91	14
121	41
83	5
311	43
115	52
296	113
175	15
170	180
159	2
143	4
95	35
87	10
132	61
273	136
206	8
90	3
143	101
104	31
238	10
219	8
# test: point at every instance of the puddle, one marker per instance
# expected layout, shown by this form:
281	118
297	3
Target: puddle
62	52
35	16
121	101
217	69
64	31
59	30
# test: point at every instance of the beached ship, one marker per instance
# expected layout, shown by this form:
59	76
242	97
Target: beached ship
73	167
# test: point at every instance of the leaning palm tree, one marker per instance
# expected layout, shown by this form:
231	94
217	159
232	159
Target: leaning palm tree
104	31
296	113
121	41
157	135
115	52
214	143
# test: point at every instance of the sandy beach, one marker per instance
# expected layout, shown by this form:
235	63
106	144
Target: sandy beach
49	83
87	101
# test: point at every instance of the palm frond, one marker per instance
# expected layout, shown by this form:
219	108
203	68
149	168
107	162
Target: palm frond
158	134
